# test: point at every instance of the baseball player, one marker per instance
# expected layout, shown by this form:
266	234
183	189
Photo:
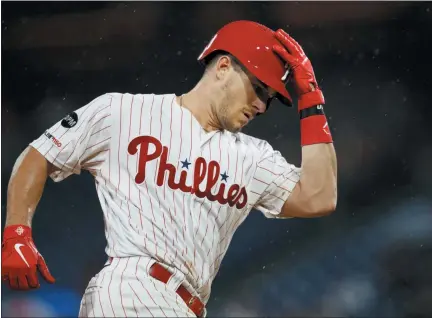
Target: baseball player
175	176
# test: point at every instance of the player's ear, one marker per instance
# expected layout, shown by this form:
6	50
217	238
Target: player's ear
223	65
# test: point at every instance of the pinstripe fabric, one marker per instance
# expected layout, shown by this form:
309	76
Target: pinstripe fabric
151	206
123	289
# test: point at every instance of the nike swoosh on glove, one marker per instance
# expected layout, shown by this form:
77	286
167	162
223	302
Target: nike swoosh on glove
21	260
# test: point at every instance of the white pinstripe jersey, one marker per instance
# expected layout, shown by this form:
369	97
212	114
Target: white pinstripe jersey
168	189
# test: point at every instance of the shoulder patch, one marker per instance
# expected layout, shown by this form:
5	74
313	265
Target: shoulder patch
70	120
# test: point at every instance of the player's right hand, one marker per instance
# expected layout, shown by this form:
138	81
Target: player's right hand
21	260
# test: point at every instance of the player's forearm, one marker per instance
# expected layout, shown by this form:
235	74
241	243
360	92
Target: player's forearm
319	176
26	186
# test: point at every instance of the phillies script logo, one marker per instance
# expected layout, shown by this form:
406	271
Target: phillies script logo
234	196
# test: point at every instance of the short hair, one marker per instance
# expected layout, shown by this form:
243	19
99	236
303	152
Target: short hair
212	58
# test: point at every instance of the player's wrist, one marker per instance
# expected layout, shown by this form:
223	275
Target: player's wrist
17	230
310	99
313	126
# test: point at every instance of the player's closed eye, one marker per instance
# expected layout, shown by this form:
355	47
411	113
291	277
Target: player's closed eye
263	93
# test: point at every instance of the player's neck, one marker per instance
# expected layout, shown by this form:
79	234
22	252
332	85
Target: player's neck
200	104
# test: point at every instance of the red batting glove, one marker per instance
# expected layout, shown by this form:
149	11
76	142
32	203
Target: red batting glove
313	122
21	259
301	71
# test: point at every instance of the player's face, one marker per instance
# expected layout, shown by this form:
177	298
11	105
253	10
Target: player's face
243	98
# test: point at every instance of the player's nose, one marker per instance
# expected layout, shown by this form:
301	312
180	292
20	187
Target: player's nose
258	107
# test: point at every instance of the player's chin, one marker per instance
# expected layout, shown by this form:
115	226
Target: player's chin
235	127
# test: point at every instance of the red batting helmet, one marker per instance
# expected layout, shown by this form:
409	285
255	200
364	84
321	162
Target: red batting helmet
251	43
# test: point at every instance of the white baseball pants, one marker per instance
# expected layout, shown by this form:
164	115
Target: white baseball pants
125	289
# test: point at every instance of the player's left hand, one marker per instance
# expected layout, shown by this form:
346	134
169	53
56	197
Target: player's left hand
301	70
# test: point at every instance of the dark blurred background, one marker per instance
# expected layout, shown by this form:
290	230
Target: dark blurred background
372	257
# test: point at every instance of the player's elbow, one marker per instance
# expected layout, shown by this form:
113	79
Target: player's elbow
323	207
310	202
322	203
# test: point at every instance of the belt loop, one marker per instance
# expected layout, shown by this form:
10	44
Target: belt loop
149	264
175	281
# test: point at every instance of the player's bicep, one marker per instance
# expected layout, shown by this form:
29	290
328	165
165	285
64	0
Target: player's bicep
296	205
273	183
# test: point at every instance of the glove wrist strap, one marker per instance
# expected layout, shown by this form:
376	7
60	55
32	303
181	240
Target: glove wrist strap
310	99
314	127
18	230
